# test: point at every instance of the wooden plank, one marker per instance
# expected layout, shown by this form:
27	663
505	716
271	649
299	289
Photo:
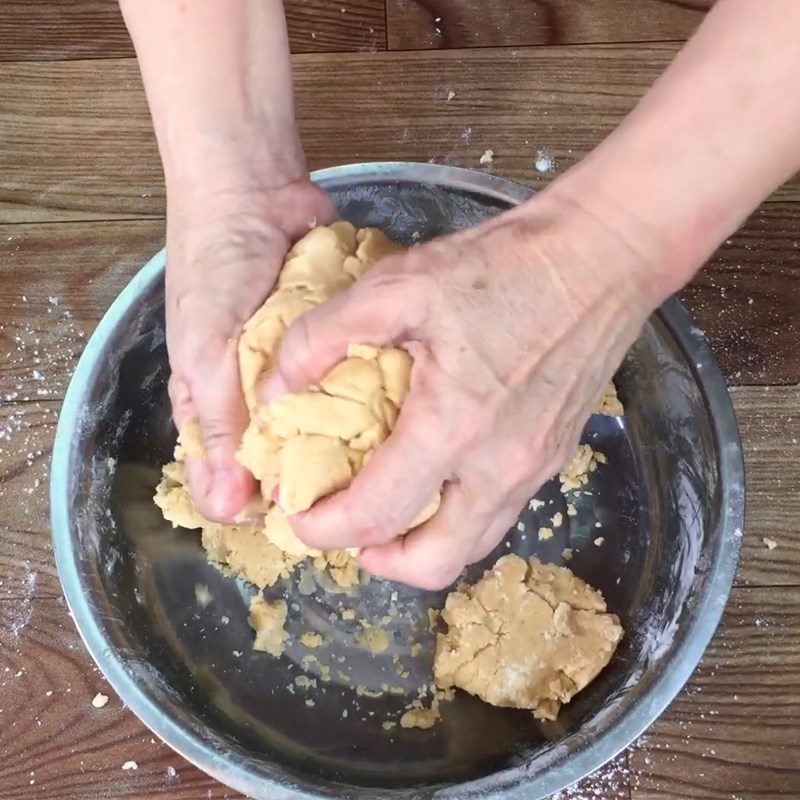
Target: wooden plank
769	420
329	26
49	30
722	738
53	742
438	24
746	299
78	142
735	731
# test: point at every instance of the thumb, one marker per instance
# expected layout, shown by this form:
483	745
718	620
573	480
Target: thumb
373	312
220	486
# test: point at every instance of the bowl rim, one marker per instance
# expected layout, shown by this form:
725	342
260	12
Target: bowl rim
674	674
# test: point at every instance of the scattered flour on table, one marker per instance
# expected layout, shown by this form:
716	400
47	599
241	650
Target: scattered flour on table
544	161
21	615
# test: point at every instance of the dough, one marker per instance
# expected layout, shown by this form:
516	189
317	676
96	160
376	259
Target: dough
267	620
527	635
305	445
610	404
576	473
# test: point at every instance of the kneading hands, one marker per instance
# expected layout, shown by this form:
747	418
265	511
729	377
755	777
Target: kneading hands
515	326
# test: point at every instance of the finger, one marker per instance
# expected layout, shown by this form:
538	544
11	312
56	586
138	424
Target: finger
433	555
391	491
221	487
374	312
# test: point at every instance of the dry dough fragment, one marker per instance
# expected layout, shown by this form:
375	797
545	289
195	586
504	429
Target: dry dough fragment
576	473
267	620
421	717
527	635
610	404
376	639
311	639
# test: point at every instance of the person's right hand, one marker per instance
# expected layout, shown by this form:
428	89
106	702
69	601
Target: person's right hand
225	248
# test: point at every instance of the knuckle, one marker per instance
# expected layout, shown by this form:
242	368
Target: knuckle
373	524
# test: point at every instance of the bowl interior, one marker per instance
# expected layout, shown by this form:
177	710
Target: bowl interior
657	502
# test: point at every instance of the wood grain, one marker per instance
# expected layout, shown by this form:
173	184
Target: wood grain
719	738
53	742
78	142
48	30
439	24
735	731
769	420
746	299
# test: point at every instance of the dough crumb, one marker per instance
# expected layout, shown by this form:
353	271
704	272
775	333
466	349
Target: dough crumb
566	553
388	725
545	534
311	639
416	649
571	510
376	639
99	700
450	95
610	404
434	615
770	544
267	620
304	682
348	614
202	595
598	541
486	158
421	717
130	765
527	635
557	519
535	504
576	473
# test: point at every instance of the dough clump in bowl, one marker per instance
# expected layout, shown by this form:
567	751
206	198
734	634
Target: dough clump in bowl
301	446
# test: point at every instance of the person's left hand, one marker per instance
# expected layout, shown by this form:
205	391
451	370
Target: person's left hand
515	328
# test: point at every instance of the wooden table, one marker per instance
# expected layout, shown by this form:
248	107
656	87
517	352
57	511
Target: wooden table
82	207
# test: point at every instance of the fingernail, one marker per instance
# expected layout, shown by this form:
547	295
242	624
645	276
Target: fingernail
272	386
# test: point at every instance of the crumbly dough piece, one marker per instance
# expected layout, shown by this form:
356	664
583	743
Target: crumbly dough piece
420	717
308	444
374	638
576	473
267	620
610	404
527	635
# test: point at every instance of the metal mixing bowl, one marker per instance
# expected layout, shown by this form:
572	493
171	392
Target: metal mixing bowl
670	501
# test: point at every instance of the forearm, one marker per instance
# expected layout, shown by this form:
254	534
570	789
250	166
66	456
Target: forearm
218	81
715	135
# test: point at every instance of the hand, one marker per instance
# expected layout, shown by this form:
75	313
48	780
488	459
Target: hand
225	249
515	328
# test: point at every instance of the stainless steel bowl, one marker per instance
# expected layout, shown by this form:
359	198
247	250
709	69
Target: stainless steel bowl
671	503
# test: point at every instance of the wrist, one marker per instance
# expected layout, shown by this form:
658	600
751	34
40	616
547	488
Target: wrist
616	253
